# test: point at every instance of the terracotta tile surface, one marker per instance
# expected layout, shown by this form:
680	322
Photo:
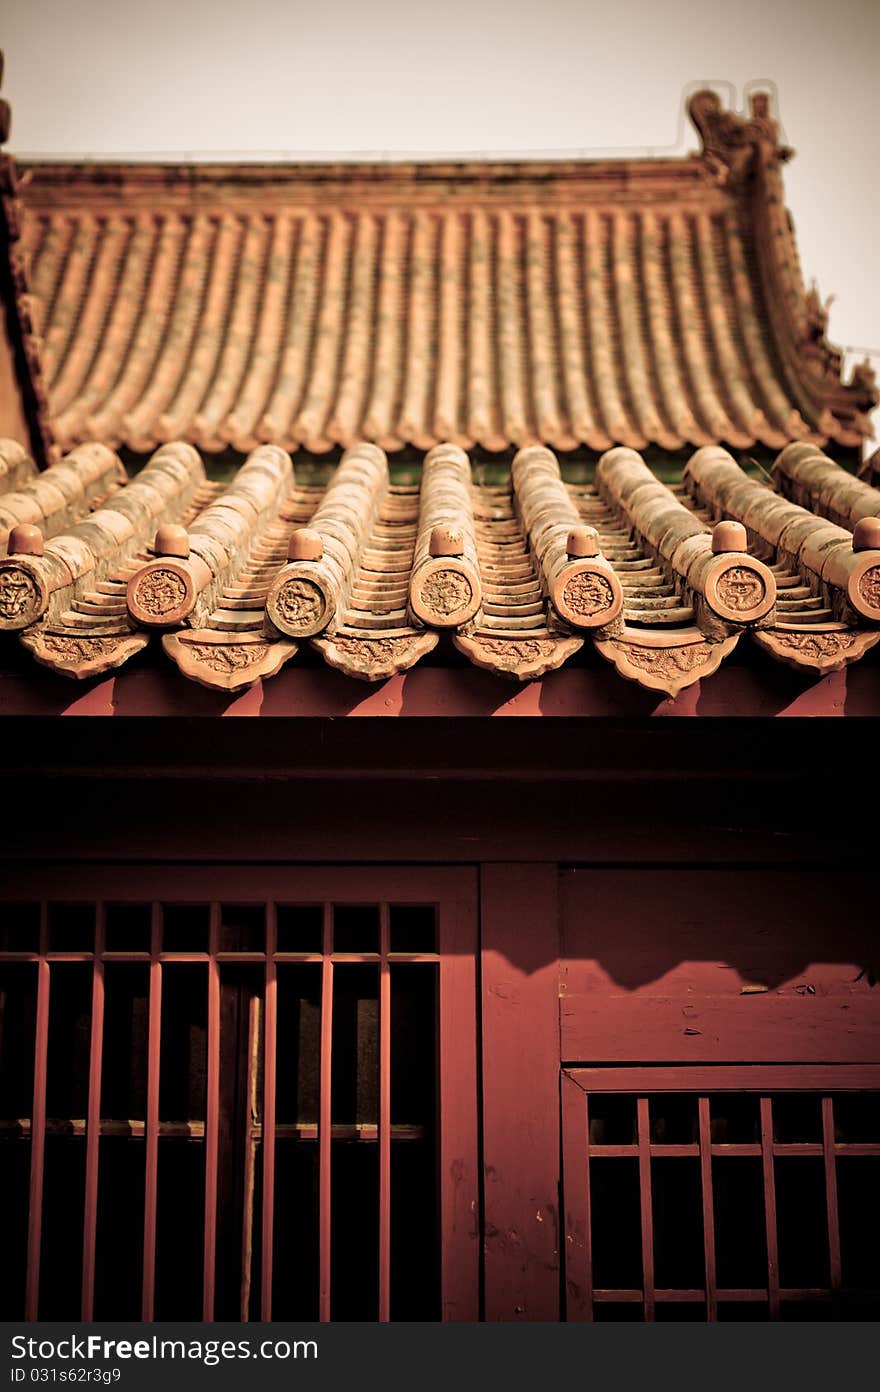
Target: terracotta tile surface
580	582
60	495
68	598
188	576
827	575
519	573
518	632
16	465
445	589
729	589
453	310
636	303
805	475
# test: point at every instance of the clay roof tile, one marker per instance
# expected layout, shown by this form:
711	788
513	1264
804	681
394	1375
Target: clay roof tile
588	303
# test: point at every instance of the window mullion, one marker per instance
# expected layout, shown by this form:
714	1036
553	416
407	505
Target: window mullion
770	1206
93	1121
646	1207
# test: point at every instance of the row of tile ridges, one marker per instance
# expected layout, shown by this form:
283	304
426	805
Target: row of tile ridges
588	328
518	574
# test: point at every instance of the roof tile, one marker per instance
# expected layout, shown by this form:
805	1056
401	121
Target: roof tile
573	304
664	580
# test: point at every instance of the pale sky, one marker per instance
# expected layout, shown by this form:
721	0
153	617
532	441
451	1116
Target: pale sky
208	79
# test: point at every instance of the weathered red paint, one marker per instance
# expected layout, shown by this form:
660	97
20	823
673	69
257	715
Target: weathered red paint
520	1091
647	1209
384	1118
459	1049
718	977
747	1078
708	1210
212	1118
90	1213
270	1072
576	1189
651	964
154	1059
38	1126
639	1083
830	1161
454	894
753	687
770	1207
324	1127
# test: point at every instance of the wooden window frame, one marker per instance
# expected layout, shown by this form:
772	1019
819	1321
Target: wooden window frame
451	890
641	1082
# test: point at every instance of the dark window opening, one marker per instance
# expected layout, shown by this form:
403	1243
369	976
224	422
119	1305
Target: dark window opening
71	927
729	1205
300	927
19	927
242	928
127	927
186	927
356	928
154	1049
413	928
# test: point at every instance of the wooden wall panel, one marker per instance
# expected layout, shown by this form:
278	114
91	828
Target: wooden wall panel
719	965
519	917
718	1029
459	1122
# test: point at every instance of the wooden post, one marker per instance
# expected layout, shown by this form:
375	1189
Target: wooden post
520	952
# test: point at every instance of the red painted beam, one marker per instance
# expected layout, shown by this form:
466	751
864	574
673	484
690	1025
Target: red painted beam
757	687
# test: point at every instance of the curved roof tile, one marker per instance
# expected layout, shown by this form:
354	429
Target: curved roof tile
636	302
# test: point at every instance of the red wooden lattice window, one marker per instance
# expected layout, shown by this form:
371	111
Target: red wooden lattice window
722	1193
156	1026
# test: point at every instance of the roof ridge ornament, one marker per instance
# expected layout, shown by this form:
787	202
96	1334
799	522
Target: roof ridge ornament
863	378
5	108
734	144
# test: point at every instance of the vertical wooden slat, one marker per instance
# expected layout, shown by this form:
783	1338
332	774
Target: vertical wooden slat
270	1033
459	1176
212	1118
646	1207
38	1124
708	1211
251	1112
831	1194
324	1132
576	1189
520	1002
384	1119
770	1206
93	1122
151	1158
